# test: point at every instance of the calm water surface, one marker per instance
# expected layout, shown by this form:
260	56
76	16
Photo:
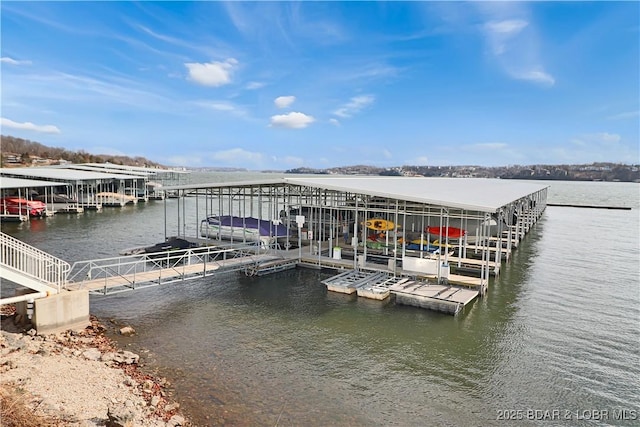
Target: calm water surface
558	330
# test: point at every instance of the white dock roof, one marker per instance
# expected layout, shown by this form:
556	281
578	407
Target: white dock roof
475	194
114	171
478	194
134	168
8	183
62	174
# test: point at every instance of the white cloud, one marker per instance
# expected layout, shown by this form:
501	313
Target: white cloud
509	26
625	115
99	90
487	146
236	156
501	34
578	141
607	138
182	160
604	138
419	161
601	146
28	126
293	120
387	154
224	106
369	72
536	76
334	122
284	101
11	61
292	160
212	73
254	85
354	106
514	44
109	151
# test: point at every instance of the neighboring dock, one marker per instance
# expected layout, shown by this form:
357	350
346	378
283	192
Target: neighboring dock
74	188
567	205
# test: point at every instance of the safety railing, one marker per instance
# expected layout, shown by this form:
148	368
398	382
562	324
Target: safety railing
33	262
169	265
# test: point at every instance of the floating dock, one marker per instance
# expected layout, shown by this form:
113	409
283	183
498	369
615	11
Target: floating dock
443	298
380	289
418	293
349	281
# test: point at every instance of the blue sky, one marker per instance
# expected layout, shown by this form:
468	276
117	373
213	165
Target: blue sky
279	85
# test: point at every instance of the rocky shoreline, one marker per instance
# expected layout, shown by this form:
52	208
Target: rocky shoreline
80	378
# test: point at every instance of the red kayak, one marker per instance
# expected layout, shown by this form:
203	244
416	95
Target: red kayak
450	232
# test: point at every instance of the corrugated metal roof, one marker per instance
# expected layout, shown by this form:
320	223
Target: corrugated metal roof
479	194
62	174
133	168
476	194
88	167
224	184
8	183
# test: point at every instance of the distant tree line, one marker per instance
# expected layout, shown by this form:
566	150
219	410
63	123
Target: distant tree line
26	149
590	172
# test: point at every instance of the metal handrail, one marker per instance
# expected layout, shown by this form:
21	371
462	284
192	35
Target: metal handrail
33	262
128	266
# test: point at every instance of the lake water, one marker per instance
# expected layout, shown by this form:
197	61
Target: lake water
558	331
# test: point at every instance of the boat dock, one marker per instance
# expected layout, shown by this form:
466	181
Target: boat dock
74	188
358	226
479	222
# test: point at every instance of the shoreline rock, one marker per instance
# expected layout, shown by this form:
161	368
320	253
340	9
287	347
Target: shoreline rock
83	379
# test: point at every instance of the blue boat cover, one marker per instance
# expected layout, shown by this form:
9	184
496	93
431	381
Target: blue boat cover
266	227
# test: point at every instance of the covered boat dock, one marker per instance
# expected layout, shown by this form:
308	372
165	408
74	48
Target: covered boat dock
22	189
92	186
450	233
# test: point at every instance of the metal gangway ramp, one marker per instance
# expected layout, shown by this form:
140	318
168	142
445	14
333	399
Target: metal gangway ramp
123	273
42	272
33	268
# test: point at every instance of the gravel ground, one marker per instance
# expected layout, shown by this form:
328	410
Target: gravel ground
83	379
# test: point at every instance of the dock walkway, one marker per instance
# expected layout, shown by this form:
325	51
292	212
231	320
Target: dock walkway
112	275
